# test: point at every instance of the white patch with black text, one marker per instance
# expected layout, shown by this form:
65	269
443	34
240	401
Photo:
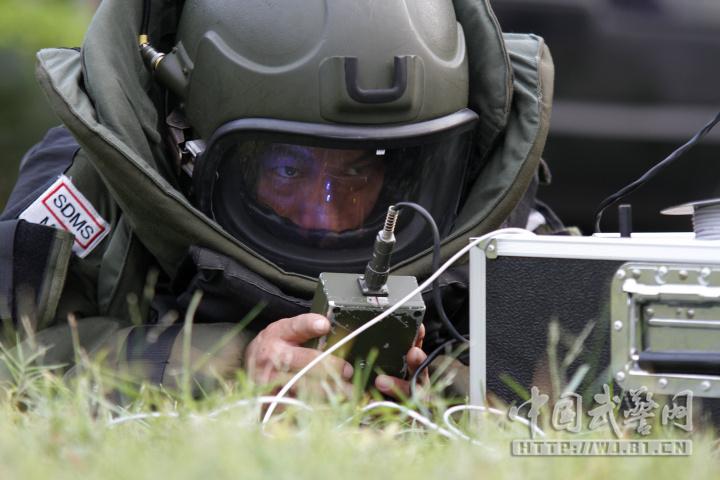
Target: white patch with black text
63	206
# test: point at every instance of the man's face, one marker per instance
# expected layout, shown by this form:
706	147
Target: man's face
318	188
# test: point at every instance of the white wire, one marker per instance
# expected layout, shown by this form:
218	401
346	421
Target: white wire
452	432
225	408
260	401
291	383
141	416
447	419
410	413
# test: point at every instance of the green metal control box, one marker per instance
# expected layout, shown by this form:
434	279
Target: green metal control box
340	298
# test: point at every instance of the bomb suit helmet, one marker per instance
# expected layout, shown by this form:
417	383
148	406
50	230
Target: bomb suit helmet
316	116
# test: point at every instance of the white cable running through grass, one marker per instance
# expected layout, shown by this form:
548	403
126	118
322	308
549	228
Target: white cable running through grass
286	401
447	419
452	432
291	383
225	408
141	416
260	401
422	419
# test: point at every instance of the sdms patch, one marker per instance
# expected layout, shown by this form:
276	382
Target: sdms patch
63	206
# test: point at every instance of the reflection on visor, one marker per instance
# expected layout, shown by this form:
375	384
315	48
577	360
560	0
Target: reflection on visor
319	188
311	198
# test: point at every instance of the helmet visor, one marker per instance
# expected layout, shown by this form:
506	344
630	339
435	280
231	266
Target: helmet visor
313	188
312	204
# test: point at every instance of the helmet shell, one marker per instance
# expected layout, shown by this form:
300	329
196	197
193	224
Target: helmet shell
289	60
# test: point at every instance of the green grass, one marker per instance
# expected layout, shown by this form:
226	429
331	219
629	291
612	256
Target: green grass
64	441
50	428
75	427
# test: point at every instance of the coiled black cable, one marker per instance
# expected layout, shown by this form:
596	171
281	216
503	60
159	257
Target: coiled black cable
445	347
437	299
627	190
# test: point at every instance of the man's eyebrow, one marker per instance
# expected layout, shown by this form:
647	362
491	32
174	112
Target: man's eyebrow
296	150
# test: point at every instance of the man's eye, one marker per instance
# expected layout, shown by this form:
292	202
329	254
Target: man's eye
357	171
287	172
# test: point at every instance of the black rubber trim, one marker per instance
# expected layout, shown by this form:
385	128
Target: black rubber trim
7	261
380	95
680	362
152	357
349	135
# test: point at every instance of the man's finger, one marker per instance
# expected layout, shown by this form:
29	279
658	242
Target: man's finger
397	387
415	358
300	329
299	357
393	386
420	336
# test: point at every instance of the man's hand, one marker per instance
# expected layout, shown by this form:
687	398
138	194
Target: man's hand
397	387
277	351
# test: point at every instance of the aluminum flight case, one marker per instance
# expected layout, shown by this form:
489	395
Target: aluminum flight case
649	307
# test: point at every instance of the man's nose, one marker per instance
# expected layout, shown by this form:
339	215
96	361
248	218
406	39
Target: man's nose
320	210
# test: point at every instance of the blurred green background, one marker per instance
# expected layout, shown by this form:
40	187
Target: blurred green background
27	26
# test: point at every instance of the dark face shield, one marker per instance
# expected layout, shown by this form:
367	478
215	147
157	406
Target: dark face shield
311	198
314	188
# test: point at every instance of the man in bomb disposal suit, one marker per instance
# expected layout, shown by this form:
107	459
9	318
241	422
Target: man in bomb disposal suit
263	147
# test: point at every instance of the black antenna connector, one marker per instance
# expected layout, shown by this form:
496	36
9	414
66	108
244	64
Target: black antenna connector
374	281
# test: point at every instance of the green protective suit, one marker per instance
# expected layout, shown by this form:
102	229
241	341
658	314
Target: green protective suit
107	99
